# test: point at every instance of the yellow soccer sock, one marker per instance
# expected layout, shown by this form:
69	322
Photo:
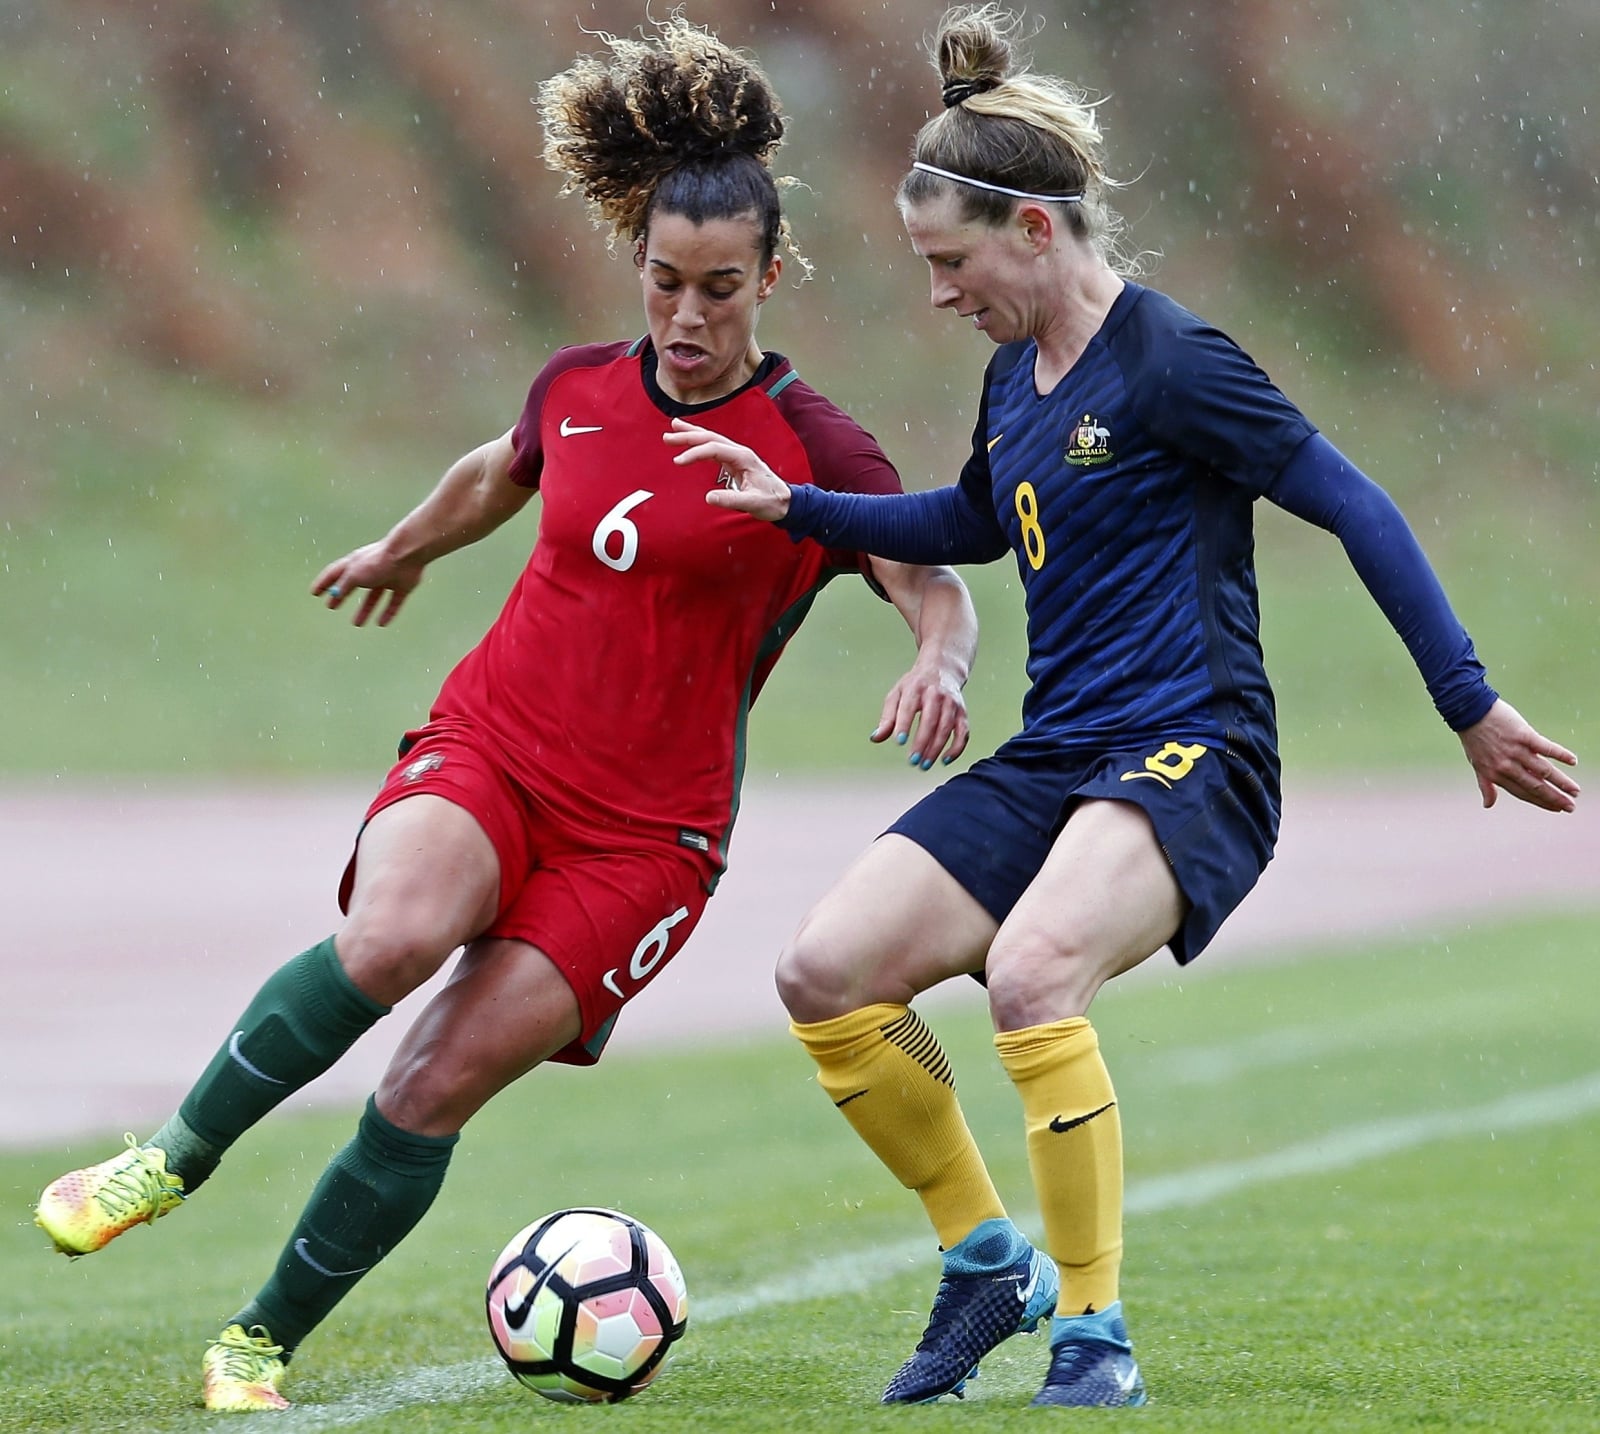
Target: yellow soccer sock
886	1071
1074	1151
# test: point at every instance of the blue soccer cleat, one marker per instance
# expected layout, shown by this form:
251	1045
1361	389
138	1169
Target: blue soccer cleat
975	1310
1091	1362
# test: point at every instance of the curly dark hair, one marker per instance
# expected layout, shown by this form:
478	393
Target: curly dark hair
677	124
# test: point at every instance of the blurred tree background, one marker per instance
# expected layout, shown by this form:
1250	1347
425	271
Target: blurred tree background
267	266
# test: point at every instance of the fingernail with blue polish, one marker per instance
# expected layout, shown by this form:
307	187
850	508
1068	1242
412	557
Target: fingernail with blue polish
900	737
927	764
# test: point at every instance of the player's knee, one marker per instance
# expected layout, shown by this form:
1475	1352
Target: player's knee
1032	982
812	984
428	1095
387	956
796	977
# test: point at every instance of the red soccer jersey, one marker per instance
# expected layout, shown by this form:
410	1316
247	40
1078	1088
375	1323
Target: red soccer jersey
619	675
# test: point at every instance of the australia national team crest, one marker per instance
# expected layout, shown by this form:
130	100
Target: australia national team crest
1089	443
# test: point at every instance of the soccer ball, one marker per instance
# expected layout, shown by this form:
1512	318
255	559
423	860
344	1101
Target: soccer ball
584	1305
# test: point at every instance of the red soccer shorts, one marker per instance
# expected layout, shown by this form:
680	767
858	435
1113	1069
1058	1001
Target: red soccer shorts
609	914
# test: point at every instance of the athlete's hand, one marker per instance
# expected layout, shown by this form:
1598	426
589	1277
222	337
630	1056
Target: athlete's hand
370	567
1506	752
930	704
749	485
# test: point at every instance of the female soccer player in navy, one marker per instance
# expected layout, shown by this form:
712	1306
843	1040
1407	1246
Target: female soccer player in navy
565	812
1119	447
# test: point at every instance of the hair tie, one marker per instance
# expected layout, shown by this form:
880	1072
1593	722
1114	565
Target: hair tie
958	90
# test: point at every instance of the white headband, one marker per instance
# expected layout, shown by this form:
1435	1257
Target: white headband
1000	188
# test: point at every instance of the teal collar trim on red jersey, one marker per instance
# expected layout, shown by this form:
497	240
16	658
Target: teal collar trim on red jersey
783	383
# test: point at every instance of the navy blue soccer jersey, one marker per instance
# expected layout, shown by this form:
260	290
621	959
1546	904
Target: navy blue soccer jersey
1126	495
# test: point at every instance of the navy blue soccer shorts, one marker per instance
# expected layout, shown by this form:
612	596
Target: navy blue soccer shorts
1215	813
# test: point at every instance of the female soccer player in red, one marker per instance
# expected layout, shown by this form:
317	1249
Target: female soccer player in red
565	812
1120	445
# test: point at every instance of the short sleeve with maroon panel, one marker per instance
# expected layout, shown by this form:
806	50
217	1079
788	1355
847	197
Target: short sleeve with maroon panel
618	678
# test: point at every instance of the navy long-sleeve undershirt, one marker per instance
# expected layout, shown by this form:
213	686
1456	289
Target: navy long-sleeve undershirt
1318	484
942	525
1322	486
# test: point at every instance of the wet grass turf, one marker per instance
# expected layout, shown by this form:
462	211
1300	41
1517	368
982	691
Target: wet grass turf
1400	1272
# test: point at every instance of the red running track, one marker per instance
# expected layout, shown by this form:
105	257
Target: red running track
143	919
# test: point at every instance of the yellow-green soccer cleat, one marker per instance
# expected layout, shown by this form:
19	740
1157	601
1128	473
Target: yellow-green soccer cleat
241	1371
87	1209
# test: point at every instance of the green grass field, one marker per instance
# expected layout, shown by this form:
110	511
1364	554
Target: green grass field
1360	1198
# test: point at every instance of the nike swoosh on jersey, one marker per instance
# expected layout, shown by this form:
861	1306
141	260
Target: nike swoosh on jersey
568	428
993	441
609	981
1061	1126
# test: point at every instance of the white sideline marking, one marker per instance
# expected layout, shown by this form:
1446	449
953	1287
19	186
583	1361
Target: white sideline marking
1340	1149
1300	1045
859	1269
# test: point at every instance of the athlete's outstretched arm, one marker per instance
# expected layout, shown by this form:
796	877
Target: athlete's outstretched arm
942	525
475	496
1324	487
932	599
938	610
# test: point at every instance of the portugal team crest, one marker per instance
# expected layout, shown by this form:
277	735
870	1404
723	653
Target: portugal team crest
422	766
1089	444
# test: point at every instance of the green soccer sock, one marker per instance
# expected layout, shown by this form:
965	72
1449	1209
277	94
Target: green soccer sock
301	1021
370	1196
